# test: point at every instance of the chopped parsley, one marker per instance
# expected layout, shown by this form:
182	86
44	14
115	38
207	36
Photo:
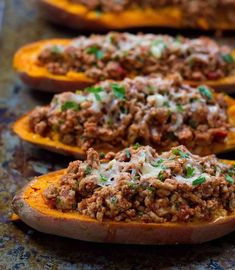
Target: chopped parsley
166	104
137	177
55	127
205	91
180	108
57	200
132	185
180	153
152	189
70	105
200	180
114	199
150	88
119	91
102	155
231	172
96	51
228	58
103	179
136	146
95	91
110	121
229	179
78	92
161	176
190	171
98	12
88	170
157	163
128	154
56	49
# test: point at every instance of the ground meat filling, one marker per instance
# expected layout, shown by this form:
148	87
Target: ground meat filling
149	110
137	184
119	55
192	11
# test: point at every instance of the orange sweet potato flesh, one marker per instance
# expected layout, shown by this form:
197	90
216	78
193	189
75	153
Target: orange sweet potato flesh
37	77
31	208
78	16
21	128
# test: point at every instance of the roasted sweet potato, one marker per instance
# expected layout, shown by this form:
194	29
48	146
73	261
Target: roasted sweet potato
78	16
30	206
21	128
37	77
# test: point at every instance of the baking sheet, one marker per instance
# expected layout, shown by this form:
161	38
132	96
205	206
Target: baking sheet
24	248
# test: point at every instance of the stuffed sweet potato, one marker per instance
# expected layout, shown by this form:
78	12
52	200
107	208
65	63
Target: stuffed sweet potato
162	112
59	65
134	197
100	15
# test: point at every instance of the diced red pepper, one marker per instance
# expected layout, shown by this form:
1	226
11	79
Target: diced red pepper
221	135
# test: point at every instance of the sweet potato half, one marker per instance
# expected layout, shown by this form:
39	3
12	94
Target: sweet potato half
31	208
37	77
22	129
78	16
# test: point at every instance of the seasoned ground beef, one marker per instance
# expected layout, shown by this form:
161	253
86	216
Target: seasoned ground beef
192	10
137	184
150	110
119	55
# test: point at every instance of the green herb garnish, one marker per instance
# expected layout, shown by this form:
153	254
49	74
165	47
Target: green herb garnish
103	179
161	176
200	180
96	51
152	189
128	154
114	199
78	92
205	91
180	153
229	179
98	12
95	91
158	163
136	146
228	58
110	121
70	105
57	200
179	108
190	171
132	185
102	155
137	177
88	170
56	49
55	127
119	91
166	104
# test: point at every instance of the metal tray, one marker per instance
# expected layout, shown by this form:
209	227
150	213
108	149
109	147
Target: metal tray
24	248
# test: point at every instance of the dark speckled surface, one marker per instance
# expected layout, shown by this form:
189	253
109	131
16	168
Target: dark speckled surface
22	247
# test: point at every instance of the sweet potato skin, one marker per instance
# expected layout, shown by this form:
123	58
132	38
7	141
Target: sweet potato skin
37	77
78	16
21	128
29	205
